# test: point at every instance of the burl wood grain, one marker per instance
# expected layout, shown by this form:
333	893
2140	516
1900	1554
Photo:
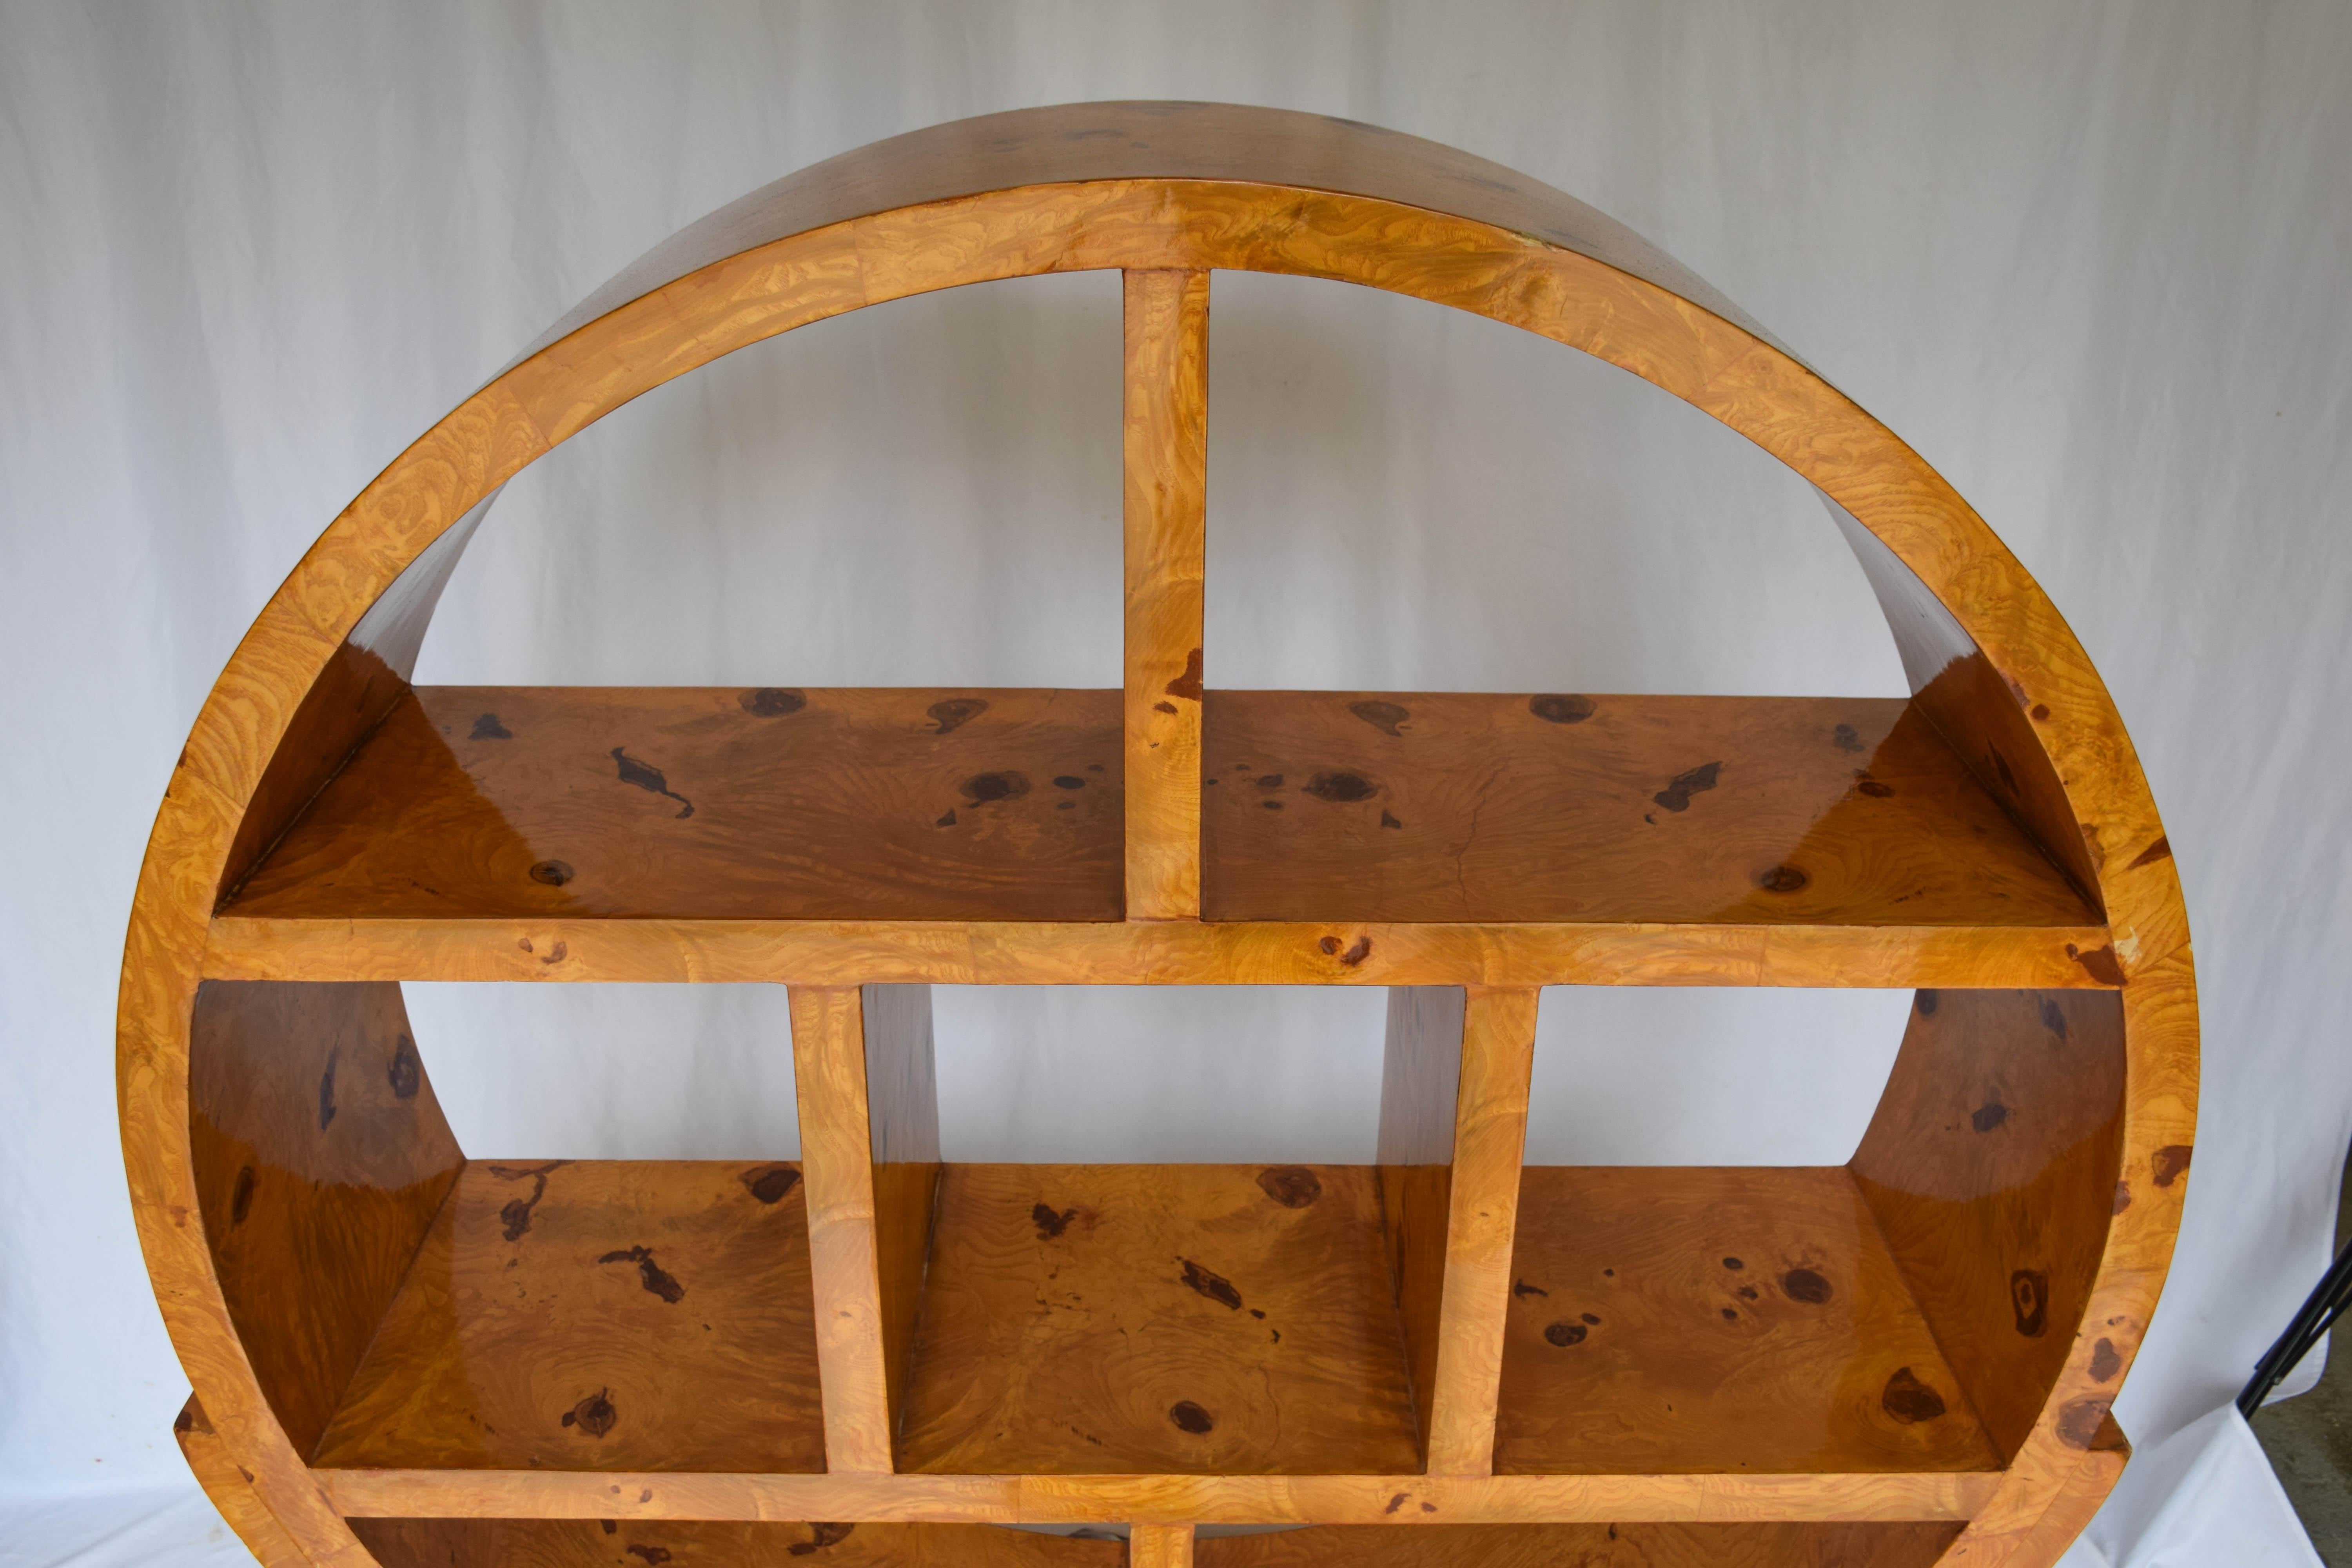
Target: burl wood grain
1702	1319
1118	1319
231	1489
606	1315
321	1157
1412	806
1990	1166
684	1544
1170	188
1101	1499
1166	489
1585	1546
1160	1546
1490	1135
903	1117
629	801
853	1324
1421	1083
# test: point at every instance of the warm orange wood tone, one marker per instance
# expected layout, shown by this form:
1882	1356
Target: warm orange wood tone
1987	1167
682	1543
1394	806
1167	434
321	1157
1160	1546
1490	1133
1421	1080
1119	1320
597	1314
1208	1499
836	1158
903	1110
1673	1318
1586	1546
1651	840
1140	953
731	803
231	1490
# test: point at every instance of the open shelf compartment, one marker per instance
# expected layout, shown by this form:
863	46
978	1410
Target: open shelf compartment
477	802
600	1315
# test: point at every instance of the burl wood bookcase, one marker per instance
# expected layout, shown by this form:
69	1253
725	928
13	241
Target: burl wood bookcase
405	1356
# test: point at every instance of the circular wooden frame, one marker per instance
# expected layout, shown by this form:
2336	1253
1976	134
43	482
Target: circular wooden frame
1168	193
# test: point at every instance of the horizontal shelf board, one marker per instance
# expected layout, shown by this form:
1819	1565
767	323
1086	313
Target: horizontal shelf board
1153	1320
1841	1545
695	1543
1155	953
1112	1499
1428	807
1717	1319
716	803
1005	805
644	1315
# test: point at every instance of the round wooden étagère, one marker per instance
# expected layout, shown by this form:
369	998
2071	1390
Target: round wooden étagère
870	1355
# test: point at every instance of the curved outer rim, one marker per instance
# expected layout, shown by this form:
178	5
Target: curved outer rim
1717	366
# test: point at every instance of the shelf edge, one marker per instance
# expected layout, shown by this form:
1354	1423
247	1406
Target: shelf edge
1207	1500
946	953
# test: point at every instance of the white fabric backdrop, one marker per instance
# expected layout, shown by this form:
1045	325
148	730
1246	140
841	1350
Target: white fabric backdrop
2088	259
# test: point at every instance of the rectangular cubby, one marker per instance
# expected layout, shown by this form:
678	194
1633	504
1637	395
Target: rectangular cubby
698	1543
1897	1311
1169	1317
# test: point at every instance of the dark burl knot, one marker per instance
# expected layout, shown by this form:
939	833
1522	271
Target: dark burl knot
1292	1186
1190	1417
1910	1401
1782	880
553	873
773	702
1561	707
1804	1285
1566	1335
594	1415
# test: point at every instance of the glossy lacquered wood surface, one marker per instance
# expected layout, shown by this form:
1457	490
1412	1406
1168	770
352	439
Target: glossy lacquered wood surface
321	1158
1183	190
602	1315
1564	806
1626	1545
690	1543
1333	806
1111	1319
1987	1168
728	801
1680	1319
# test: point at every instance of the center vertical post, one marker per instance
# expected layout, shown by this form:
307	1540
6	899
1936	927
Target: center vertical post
1166	450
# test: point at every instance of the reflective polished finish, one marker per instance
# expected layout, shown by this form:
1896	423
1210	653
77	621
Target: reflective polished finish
1955	1310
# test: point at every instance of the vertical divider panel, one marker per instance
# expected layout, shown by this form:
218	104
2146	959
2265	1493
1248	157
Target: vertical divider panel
1160	1546
1166	458
837	1170
1420	1085
1490	1138
903	1108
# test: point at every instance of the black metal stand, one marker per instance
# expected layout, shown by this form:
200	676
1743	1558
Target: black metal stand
2320	1309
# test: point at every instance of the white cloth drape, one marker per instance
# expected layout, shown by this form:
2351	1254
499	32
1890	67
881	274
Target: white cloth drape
2089	259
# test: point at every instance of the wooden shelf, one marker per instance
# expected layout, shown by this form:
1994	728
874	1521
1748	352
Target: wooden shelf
624	802
1586	1545
401	1352
690	1543
1006	806
1678	1320
1780	811
597	1315
1120	1319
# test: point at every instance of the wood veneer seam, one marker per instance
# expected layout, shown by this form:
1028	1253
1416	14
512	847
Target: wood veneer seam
448	1195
